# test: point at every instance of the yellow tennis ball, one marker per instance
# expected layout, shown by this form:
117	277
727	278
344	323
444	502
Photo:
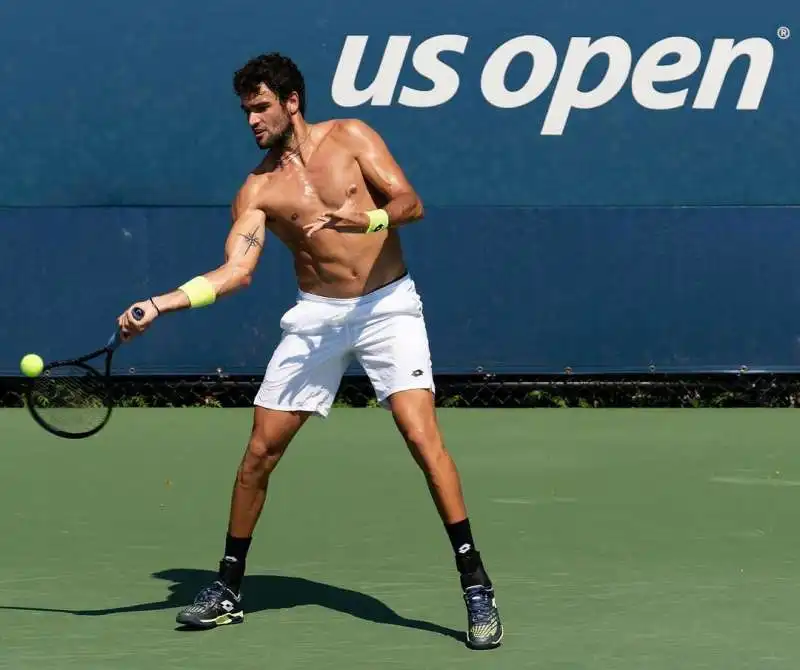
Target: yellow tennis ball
31	365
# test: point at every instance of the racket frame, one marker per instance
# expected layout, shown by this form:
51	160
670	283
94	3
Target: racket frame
82	363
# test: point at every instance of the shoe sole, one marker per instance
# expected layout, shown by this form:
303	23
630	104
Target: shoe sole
194	621
485	646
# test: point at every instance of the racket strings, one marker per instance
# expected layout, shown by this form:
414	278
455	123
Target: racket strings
70	399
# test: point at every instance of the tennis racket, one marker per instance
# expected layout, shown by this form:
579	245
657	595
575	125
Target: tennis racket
71	398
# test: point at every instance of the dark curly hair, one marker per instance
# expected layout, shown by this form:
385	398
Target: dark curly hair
278	73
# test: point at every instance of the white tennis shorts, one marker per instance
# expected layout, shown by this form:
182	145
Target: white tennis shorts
384	331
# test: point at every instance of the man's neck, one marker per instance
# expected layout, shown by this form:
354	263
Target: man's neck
294	143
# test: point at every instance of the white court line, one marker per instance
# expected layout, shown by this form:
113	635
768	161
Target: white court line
527	501
754	481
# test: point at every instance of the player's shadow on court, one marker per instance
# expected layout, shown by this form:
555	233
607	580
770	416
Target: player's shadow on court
268	592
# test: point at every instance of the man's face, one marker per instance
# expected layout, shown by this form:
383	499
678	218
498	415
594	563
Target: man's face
268	118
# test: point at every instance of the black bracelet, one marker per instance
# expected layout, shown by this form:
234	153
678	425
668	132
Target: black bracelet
156	306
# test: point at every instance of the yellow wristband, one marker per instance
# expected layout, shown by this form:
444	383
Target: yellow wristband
378	220
200	292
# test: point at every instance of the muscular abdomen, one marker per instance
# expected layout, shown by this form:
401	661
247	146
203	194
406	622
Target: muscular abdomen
342	265
332	263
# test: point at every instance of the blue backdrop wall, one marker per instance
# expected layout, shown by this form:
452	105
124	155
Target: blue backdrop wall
609	185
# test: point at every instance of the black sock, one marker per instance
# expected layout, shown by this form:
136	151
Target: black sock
237	547
460	535
232	566
468	559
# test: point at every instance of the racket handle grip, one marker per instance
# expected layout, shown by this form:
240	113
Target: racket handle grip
116	338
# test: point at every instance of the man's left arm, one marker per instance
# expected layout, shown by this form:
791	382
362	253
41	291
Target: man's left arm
380	168
382	172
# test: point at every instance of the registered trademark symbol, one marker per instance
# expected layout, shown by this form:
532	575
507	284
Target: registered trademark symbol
784	33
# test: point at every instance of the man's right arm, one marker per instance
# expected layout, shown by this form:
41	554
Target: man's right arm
242	251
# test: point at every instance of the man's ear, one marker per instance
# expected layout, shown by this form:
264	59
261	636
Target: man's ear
293	103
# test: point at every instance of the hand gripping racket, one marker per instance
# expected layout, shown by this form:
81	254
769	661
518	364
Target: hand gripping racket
71	398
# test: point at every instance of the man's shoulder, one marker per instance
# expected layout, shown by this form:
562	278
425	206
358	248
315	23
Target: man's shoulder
260	174
249	194
253	183
346	128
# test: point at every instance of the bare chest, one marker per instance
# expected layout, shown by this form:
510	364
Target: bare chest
298	192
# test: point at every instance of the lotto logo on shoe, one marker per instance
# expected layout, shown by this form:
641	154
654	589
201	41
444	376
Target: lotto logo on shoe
667	61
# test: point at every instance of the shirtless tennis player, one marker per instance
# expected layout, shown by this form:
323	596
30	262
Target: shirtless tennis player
334	195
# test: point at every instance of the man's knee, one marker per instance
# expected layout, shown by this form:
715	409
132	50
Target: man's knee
262	452
422	437
421	433
272	432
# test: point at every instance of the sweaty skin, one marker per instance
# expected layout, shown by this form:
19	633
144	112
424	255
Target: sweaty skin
312	192
341	164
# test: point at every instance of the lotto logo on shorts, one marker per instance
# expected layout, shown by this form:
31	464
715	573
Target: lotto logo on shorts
669	60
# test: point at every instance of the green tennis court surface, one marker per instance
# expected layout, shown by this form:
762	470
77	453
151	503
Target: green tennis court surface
616	538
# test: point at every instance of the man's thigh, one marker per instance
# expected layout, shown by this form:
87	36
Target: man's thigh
276	426
304	373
